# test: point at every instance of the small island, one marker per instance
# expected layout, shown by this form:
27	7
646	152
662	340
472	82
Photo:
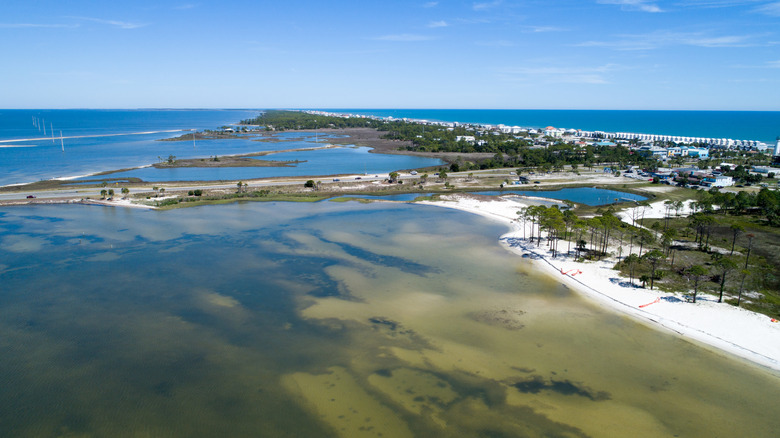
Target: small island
224	161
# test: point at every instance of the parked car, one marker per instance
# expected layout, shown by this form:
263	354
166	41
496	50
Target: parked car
30	197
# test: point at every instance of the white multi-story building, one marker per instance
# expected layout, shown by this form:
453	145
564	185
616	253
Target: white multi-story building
718	181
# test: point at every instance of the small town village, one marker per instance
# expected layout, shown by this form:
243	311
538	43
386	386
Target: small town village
677	157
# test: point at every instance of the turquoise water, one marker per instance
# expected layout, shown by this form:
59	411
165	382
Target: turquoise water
739	125
583	195
329	319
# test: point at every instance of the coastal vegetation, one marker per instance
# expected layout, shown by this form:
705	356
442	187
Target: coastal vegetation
727	247
278	120
208	134
502	150
225	161
738	245
198	197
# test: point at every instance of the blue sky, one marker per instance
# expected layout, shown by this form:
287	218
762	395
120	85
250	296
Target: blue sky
578	54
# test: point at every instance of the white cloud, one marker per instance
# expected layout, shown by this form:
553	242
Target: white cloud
440	23
765	65
723	41
115	23
659	39
431	4
497	43
405	37
542	29
559	75
486	5
772	9
37	26
633	5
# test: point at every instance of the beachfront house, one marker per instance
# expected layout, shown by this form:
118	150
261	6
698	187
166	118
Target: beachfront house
511	129
553	132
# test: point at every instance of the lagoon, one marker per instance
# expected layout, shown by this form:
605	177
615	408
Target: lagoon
330	319
583	195
335	161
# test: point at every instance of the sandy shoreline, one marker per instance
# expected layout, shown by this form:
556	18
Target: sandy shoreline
737	331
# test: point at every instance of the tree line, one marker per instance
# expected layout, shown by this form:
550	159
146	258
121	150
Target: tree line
659	251
509	150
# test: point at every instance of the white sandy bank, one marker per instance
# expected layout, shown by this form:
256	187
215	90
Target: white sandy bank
740	332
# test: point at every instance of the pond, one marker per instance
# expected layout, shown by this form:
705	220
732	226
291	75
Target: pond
584	195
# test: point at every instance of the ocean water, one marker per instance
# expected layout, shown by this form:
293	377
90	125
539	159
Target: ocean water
33	156
35	160
330	319
17	124
24	160
739	125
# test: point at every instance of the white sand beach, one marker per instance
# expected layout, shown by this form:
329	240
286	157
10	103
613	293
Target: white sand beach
739	332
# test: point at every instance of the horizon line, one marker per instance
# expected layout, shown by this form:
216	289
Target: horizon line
365	109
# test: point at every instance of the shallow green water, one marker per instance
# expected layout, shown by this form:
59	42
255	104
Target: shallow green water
277	319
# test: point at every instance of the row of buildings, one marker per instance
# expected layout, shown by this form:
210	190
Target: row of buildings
659	146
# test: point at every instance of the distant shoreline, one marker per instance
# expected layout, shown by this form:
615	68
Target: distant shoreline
763	126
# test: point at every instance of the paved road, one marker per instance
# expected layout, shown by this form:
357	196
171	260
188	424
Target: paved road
77	193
